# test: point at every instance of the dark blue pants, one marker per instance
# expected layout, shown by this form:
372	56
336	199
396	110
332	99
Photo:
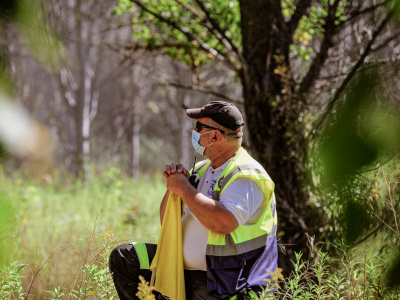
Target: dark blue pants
125	270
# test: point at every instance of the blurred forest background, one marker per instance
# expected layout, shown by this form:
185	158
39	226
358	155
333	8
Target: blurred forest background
93	86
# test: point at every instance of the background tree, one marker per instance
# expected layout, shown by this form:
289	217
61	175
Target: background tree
282	52
89	79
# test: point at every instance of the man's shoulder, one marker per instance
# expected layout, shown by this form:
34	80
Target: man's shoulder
254	162
256	165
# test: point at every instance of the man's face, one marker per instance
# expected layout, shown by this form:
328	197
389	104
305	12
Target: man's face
200	126
205	131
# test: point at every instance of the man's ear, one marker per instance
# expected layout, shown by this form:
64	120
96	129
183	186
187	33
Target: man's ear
217	135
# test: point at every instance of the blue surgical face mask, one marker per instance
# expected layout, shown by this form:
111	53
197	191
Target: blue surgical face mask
195	142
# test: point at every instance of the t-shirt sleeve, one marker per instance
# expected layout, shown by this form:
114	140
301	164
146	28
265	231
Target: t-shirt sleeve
243	198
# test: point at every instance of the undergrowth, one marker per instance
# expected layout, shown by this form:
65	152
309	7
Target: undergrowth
63	232
318	279
323	277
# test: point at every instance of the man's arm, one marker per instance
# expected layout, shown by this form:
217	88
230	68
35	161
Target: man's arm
213	215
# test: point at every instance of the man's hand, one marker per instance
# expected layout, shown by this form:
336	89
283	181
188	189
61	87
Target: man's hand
209	212
176	183
177	177
175	168
170	171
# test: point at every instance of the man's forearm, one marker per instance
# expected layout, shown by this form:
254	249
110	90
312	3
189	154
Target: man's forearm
213	215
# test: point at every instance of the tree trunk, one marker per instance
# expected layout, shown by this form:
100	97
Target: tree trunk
135	146
185	129
184	98
84	97
272	118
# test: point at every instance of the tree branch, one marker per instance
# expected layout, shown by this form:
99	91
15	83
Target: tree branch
357	13
313	72
301	9
199	89
369	235
387	41
353	71
190	36
64	89
218	31
94	105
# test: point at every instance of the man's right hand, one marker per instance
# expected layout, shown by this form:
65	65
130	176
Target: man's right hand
175	168
169	170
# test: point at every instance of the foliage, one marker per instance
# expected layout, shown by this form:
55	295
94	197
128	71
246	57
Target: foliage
357	272
186	30
392	277
313	25
328	278
96	279
356	167
65	229
5	214
361	133
187	33
10	281
322	278
41	39
144	290
56	293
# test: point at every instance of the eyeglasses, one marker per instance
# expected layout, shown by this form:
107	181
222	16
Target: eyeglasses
200	126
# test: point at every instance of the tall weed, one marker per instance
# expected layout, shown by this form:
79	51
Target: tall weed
10	281
335	278
64	230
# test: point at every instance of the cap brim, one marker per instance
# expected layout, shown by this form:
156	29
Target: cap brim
195	113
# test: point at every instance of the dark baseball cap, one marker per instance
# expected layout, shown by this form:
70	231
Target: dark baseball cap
224	113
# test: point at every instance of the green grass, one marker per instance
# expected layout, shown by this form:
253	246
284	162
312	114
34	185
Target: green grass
57	237
64	229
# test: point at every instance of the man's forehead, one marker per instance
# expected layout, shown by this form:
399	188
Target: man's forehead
204	120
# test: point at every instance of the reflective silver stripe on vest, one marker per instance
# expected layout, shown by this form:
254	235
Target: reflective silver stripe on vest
216	194
234	249
202	165
273	208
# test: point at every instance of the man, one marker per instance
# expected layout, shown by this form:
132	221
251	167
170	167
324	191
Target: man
229	225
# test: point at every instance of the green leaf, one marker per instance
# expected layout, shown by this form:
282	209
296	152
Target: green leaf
151	31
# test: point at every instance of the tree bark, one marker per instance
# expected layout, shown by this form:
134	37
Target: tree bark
272	113
85	100
135	140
